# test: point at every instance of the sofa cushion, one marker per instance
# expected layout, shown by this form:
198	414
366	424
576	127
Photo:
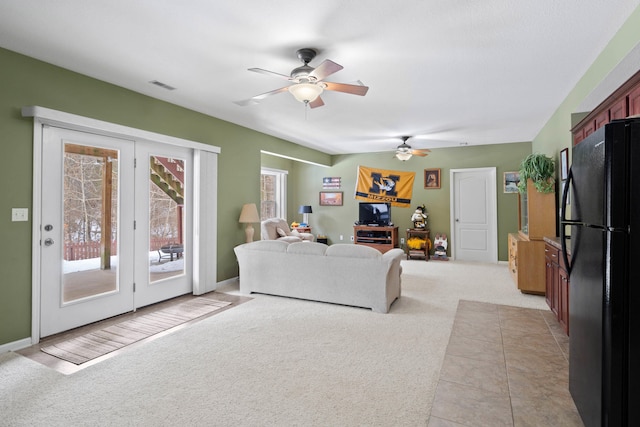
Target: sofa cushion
352	251
307	248
268	245
281	232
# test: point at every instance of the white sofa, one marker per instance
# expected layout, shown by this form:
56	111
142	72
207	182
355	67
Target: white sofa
345	274
278	229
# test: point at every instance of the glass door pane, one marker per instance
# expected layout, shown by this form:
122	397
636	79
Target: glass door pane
166	217
90	211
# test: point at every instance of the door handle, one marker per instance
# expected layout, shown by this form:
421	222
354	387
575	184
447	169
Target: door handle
48	241
457	220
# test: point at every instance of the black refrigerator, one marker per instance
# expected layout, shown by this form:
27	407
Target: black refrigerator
604	290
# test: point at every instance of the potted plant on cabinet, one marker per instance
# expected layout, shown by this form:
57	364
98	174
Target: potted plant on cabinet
540	169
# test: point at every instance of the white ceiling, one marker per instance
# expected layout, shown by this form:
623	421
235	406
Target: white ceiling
449	72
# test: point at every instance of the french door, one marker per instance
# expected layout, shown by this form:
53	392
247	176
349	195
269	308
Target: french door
163	234
114	236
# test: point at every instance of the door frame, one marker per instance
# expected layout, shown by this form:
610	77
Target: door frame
205	167
492	201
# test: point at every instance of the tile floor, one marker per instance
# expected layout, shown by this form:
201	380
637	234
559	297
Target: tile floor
504	366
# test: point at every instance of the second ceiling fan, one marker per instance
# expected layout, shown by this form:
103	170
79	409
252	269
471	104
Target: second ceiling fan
404	151
308	82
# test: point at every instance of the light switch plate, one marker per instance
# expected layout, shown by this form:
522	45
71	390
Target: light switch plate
19	214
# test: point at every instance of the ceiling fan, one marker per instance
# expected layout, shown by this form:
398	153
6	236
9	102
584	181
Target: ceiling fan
308	82
404	150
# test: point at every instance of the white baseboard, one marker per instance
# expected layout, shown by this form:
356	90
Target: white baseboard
15	345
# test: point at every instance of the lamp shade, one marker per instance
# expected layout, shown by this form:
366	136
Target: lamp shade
305	92
403	155
303	209
249	213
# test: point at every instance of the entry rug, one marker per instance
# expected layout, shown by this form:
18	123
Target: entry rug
87	347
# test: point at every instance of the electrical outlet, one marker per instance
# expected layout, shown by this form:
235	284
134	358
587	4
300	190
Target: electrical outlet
341	237
352	238
402	240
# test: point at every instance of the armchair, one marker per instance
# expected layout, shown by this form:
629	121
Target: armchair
278	229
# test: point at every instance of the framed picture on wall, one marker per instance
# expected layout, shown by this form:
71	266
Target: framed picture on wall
431	178
564	164
511	180
331	198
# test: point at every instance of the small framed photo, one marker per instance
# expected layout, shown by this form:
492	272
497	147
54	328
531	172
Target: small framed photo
564	164
511	180
431	178
331	198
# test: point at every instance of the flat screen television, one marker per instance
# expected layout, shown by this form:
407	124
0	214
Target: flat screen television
374	214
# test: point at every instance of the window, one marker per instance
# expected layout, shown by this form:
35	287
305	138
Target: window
273	194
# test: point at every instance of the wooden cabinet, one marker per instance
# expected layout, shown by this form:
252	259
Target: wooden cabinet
619	110
634	101
526	263
537	218
381	238
557	282
422	234
537	213
622	103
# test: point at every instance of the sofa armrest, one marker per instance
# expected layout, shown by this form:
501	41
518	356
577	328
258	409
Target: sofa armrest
392	254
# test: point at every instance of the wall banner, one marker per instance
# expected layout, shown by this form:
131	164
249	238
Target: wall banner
379	185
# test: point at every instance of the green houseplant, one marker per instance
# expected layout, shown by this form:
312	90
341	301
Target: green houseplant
540	169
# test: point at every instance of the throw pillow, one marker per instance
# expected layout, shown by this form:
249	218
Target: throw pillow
281	232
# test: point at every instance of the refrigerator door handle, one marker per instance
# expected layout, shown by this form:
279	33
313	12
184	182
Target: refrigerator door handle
564	222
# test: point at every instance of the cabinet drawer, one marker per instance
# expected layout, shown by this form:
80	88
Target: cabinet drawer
552	253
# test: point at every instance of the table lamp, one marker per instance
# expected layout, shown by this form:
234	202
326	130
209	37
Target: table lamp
249	215
305	210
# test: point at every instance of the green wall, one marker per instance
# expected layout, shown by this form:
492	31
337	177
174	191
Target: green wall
556	133
338	220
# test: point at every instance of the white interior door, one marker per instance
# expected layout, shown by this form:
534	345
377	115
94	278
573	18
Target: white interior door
86	229
474	215
164	206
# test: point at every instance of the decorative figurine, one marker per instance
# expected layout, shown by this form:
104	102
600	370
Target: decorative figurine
419	217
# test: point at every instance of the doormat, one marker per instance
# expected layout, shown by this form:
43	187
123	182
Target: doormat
92	345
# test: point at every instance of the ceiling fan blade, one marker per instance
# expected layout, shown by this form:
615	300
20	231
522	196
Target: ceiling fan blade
255	99
418	153
346	88
325	69
318	102
270	73
420	150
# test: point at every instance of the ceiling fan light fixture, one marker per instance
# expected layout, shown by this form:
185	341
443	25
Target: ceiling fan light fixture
403	155
306	92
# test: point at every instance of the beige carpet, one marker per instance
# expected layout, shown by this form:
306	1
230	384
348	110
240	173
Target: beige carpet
92	345
271	361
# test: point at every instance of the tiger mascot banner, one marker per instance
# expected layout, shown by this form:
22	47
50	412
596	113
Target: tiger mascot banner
379	185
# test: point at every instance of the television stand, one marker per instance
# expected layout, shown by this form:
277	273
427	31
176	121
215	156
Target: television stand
376	236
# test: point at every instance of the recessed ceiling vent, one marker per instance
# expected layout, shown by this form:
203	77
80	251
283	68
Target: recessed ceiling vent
162	85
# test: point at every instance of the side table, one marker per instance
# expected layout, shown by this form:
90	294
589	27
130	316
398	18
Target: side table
303	229
422	252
